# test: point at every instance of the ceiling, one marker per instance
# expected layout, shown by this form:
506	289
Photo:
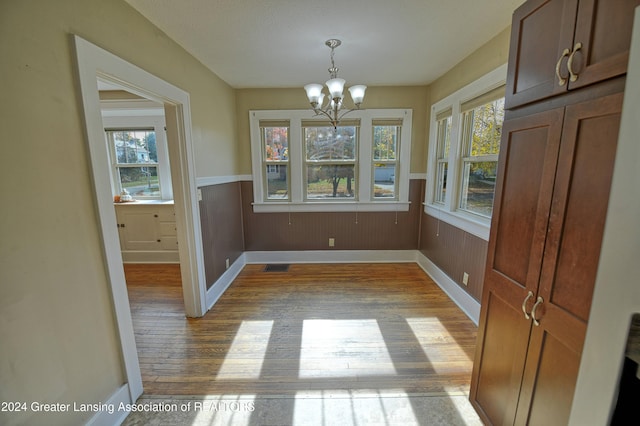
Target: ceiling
281	43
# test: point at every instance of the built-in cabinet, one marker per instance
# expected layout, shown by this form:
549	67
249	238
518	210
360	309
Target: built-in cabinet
556	161
147	232
562	45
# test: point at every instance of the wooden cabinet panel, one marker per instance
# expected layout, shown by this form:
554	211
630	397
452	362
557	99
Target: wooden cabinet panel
529	152
497	373
541	30
523	194
548	384
579	208
551	37
603	29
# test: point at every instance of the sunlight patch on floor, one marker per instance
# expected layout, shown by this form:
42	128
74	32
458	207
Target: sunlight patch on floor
246	355
343	348
346	408
437	344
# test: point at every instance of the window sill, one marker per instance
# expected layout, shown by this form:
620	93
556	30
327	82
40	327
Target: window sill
467	222
144	202
338	206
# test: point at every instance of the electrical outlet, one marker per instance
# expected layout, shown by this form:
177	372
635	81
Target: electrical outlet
332	242
465	278
226	263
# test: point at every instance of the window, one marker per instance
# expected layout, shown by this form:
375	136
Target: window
135	159
330	161
138	155
275	149
482	121
464	144
386	139
358	166
443	144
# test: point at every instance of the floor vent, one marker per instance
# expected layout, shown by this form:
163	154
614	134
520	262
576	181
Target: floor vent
277	267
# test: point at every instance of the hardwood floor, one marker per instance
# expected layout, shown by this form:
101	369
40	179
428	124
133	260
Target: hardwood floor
317	327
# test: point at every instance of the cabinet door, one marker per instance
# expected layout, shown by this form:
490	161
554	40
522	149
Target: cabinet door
576	225
526	170
140	229
603	29
541	31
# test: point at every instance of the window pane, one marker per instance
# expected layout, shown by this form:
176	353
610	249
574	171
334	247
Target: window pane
140	181
384	181
134	146
331	181
441	182
384	142
276	143
327	143
443	143
444	138
479	182
486	128
277	183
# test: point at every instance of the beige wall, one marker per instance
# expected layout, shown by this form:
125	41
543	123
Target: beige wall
57	332
488	57
414	97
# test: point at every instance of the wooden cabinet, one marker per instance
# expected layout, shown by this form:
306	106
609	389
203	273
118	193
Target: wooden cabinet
554	176
560	45
147	232
548	221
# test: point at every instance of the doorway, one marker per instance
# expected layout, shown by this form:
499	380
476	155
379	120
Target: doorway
95	63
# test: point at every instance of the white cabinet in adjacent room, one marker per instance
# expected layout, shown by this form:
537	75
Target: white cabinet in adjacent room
147	232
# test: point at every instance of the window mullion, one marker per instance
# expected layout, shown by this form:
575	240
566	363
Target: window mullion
365	156
296	161
455	148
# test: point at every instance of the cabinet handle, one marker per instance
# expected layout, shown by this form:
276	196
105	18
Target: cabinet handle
573	75
561	80
533	311
524	305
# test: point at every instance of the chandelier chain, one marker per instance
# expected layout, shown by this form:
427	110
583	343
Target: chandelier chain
333	71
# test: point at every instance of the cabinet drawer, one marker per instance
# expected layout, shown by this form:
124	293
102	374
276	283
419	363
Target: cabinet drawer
166	214
168	229
169	243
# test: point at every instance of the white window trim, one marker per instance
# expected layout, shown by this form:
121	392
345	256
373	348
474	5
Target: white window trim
145	119
365	200
448	212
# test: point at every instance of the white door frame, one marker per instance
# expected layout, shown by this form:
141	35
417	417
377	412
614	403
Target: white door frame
93	63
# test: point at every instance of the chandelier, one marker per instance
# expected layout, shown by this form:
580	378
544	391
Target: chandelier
333	108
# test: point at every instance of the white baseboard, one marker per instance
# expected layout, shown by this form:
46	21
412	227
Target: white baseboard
111	415
222	284
465	302
331	256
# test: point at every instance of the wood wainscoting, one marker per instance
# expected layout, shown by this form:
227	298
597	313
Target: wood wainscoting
315	327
